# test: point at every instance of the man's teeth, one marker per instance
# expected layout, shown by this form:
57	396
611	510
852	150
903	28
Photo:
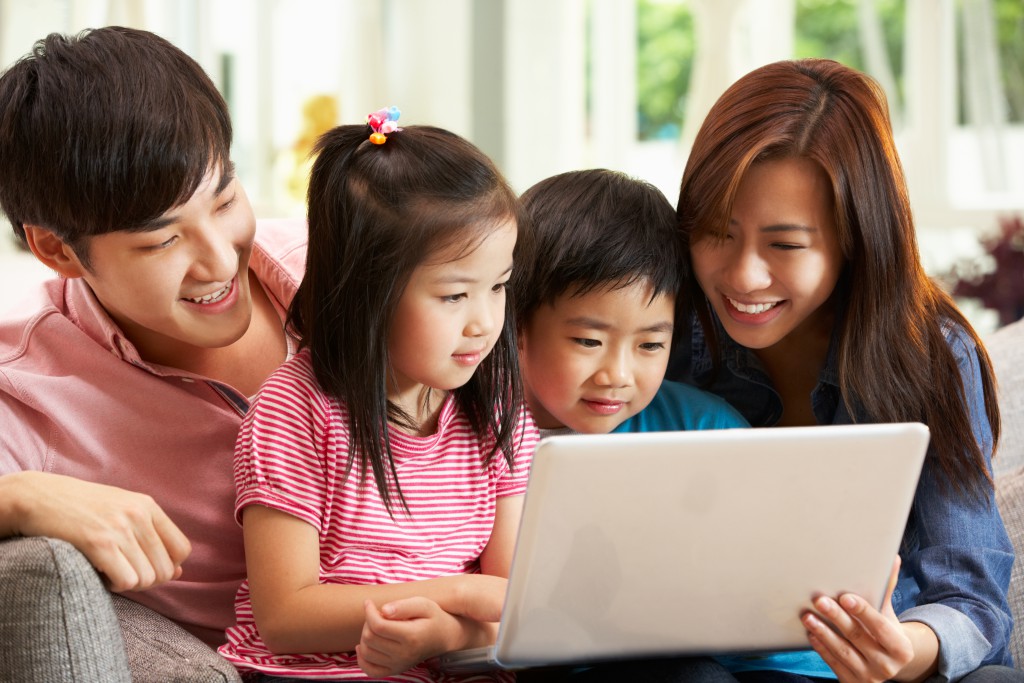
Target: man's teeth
211	298
752	308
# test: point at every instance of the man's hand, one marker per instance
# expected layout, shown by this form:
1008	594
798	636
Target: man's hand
125	535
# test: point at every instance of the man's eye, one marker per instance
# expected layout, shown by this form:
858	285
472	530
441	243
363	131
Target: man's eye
163	245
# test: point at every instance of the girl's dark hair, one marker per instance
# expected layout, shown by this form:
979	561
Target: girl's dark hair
105	131
375	213
592	229
894	361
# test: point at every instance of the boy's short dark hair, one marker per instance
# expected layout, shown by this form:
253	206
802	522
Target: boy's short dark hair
105	131
592	229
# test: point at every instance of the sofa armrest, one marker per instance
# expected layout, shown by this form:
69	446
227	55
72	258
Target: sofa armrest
160	651
58	622
56	619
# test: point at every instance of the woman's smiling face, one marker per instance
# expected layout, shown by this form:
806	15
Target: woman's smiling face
780	259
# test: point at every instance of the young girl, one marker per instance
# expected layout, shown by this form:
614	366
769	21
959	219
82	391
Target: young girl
813	308
380	471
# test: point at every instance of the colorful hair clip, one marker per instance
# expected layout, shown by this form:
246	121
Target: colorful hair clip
383	123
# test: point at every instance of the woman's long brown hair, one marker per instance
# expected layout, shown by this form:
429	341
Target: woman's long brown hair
895	364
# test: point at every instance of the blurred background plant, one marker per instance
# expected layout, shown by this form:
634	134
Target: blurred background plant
995	278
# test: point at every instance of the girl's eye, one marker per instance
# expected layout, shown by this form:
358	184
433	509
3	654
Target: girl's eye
586	343
499	287
652	346
786	247
228	204
453	298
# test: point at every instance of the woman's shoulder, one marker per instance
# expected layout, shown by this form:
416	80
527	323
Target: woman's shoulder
962	343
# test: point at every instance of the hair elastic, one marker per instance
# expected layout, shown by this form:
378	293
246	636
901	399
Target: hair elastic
382	122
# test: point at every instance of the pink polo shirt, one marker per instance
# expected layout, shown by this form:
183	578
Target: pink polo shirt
76	399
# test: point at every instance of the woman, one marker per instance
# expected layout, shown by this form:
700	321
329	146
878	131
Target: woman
813	308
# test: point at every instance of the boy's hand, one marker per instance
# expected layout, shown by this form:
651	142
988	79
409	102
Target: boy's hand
404	633
125	535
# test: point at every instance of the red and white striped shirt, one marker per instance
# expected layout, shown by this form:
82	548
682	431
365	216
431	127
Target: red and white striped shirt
291	455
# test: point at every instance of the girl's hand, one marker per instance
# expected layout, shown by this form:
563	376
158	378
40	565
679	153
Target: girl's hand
863	644
402	634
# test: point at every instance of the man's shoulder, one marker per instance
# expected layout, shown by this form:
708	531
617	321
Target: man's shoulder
42	315
279	255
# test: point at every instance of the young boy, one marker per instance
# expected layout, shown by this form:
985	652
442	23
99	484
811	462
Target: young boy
123	383
598	268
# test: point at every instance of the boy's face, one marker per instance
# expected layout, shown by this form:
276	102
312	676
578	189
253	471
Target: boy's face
182	286
591	362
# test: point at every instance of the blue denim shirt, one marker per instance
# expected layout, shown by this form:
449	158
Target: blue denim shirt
956	554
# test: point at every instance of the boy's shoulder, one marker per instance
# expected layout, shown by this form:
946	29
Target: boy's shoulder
683	407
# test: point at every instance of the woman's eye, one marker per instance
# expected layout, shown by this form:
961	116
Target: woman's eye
453	298
499	287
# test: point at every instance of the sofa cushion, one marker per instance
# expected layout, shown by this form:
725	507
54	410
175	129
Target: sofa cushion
1006	349
56	620
1010	497
160	651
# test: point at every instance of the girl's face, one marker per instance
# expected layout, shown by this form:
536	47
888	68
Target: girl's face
774	271
449	317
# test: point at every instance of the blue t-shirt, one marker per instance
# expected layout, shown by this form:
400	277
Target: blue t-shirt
680	407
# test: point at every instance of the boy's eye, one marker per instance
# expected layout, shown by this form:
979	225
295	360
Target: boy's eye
586	343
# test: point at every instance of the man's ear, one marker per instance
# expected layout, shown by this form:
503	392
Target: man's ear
53	252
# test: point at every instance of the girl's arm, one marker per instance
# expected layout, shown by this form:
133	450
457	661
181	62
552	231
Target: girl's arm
496	558
404	632
296	613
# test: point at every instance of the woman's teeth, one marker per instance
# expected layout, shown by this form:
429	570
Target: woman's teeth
212	298
752	308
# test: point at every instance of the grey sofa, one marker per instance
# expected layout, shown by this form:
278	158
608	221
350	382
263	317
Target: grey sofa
58	623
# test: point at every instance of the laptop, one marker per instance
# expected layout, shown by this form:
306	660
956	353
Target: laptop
704	542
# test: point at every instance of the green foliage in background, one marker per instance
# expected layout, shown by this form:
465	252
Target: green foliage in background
665	49
1010	31
829	29
824	28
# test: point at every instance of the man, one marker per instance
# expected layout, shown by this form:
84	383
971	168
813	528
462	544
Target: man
123	382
